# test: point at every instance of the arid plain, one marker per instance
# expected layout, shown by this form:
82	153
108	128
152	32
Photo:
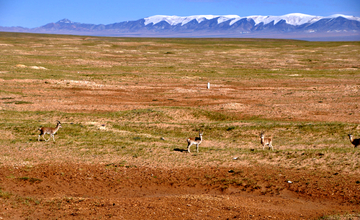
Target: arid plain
127	106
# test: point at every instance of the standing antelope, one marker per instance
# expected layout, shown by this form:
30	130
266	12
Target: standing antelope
195	140
355	142
266	141
51	131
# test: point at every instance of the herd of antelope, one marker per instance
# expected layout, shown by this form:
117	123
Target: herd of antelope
191	141
265	141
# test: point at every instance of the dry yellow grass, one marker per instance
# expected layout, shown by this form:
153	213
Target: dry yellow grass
127	102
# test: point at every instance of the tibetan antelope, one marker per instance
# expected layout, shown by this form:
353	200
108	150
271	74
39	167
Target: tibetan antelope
196	141
51	131
266	141
355	142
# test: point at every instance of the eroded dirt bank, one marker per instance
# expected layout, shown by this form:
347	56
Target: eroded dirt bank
79	191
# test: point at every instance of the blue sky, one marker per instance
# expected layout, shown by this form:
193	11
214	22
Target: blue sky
35	13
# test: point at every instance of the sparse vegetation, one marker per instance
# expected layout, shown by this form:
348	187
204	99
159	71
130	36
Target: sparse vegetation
4	195
127	103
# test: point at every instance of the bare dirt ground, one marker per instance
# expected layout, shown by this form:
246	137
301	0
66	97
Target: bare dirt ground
290	99
56	189
79	191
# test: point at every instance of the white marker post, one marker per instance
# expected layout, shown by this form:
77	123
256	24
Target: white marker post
208	85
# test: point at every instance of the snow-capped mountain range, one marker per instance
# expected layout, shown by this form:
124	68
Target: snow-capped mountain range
290	26
292	19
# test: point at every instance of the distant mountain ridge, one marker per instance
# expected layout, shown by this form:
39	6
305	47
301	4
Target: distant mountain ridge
290	26
292	19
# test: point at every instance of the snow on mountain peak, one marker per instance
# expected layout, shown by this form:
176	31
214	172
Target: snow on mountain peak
345	16
299	19
65	20
292	19
174	20
228	17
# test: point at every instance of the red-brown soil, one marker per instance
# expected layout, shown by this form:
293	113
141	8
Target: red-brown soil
73	190
78	191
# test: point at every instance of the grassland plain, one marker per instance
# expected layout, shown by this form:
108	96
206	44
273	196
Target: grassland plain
127	106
